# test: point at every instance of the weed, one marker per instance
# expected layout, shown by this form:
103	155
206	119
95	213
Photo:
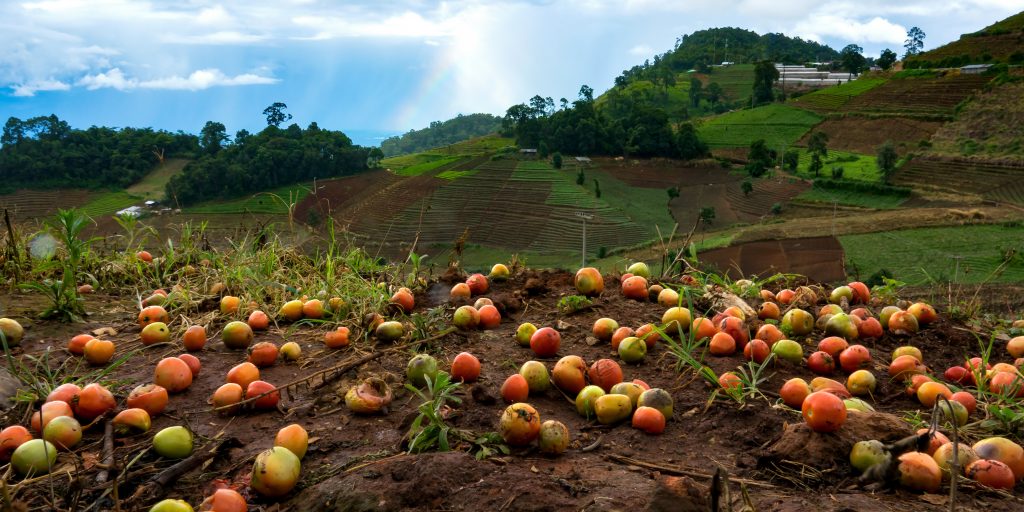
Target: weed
573	304
430	430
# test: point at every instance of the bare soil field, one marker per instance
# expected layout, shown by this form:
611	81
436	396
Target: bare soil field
864	135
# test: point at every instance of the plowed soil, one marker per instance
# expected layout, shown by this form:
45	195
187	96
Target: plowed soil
358	463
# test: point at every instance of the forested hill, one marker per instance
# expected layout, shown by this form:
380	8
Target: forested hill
441	133
704	48
45	152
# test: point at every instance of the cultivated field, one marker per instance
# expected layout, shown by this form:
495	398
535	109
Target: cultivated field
831	99
779	125
864	134
918	96
980	179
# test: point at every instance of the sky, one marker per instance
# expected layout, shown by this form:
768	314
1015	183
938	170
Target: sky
374	68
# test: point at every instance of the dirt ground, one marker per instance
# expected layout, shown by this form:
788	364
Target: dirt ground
357	462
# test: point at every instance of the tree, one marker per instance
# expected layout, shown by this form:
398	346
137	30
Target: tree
852	59
713	92
696	87
914	43
707	215
580	178
586	93
816	164
818	144
673	192
886	159
597	188
765	76
374	157
791	159
759	158
276	114
212	137
556	160
886	59
241	136
689	144
747	187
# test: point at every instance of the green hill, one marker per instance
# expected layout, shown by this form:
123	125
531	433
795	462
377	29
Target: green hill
441	133
1002	41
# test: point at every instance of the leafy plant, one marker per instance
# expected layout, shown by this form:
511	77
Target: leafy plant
573	303
65	304
430	430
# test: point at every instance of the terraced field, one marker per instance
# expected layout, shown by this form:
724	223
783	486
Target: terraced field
988	180
35	204
920	96
835	98
737	81
409	165
272	202
108	203
862	134
855	166
767	192
779	125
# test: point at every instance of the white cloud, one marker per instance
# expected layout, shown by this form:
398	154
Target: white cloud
223	37
30	89
641	50
828	26
196	81
407	24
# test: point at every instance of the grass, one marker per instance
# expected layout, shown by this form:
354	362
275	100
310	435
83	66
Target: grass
406	165
833	98
851	198
779	125
963	254
426	166
109	203
153	185
454	175
263	202
737	81
855	166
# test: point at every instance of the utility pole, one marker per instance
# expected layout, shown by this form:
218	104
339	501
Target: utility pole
585	217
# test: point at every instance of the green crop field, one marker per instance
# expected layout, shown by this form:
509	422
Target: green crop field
271	202
454	175
963	254
108	203
409	165
779	125
426	166
852	198
833	98
855	166
737	81
153	185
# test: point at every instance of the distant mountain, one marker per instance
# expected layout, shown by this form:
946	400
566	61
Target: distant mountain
1001	42
441	133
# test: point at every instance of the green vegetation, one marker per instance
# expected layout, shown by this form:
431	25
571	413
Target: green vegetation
108	203
736	81
980	127
855	166
467	148
852	198
426	166
833	98
270	159
275	202
154	184
441	133
997	43
45	152
454	175
779	125
963	254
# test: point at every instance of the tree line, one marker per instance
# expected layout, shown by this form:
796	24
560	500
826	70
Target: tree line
46	152
583	129
441	133
272	158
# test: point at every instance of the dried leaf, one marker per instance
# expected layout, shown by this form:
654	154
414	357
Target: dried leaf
935	499
104	331
90	459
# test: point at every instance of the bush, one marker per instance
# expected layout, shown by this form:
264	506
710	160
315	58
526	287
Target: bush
556	160
861	186
776	208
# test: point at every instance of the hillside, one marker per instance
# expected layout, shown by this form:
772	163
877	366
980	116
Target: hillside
1002	41
441	133
991	126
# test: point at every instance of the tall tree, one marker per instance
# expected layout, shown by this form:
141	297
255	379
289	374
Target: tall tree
688	144
818	144
852	59
759	158
887	159
886	59
696	91
914	43
765	76
212	137
276	114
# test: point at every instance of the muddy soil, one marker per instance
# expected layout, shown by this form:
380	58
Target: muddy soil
358	462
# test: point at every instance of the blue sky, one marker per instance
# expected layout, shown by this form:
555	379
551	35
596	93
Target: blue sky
377	67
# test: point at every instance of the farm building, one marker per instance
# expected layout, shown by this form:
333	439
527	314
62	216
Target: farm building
974	69
131	211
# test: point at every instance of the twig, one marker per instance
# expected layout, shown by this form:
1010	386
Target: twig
156	487
681	472
108	452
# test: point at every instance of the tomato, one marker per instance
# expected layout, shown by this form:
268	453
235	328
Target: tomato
515	389
545	342
520	424
823	412
466	367
649	420
794	391
821	363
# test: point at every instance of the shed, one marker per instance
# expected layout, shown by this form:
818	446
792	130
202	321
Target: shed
974	69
